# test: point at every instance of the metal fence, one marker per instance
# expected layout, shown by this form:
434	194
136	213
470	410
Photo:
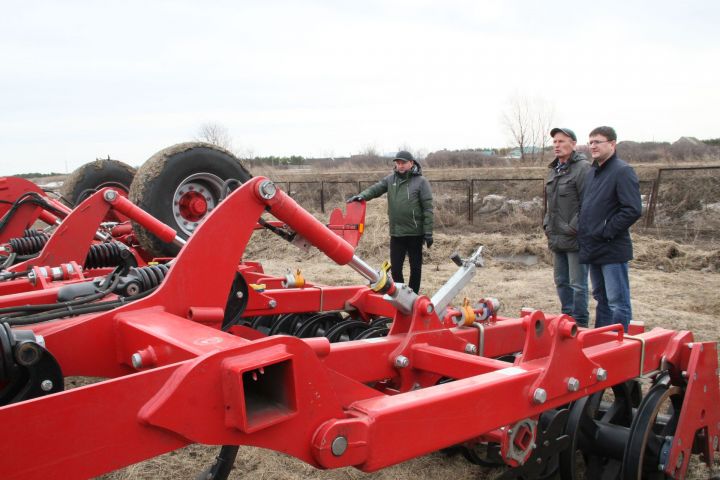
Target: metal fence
683	199
685	202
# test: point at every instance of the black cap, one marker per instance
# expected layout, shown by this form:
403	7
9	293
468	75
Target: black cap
566	131
404	156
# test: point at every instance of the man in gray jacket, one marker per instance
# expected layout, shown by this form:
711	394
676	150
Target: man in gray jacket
564	189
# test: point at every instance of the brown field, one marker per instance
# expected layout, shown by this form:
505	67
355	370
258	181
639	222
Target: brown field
673	286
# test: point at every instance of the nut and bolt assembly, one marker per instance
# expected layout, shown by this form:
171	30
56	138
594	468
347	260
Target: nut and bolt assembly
110	195
540	396
339	445
267	189
46	385
401	361
136	360
573	384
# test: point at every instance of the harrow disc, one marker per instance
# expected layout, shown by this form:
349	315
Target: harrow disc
317	325
598	427
286	324
652	432
346	330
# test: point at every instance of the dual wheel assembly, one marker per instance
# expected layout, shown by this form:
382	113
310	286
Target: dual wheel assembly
178	185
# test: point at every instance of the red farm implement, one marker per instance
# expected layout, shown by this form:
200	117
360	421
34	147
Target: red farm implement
364	376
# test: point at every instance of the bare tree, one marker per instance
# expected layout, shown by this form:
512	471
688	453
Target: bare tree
517	121
544	121
216	134
528	121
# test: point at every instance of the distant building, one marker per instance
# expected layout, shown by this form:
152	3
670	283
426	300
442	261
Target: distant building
515	152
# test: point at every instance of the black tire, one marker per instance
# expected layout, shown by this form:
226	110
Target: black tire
93	176
164	183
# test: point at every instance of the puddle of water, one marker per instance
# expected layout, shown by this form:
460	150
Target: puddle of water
527	260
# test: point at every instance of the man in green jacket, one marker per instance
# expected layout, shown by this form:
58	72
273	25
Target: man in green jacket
410	211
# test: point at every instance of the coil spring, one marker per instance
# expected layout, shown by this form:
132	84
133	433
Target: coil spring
104	255
150	276
31	232
29	245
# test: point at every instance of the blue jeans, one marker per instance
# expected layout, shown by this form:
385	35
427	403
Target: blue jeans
611	290
571	280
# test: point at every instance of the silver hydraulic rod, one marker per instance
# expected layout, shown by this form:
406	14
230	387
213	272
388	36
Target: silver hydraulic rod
179	241
359	265
457	282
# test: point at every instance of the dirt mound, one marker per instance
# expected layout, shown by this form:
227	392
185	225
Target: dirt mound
671	256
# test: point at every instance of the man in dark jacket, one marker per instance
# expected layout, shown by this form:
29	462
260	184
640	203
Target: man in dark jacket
610	206
410	211
563	192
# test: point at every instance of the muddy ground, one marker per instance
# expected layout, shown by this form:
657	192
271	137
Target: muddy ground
673	286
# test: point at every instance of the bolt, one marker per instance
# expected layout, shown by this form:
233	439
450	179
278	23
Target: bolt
239	295
430	308
715	442
538	461
695	376
601	374
573	384
272	303
133	289
267	189
339	445
136	360
401	361
46	385
110	195
471	349
540	396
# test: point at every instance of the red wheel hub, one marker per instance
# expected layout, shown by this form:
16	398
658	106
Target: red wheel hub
193	206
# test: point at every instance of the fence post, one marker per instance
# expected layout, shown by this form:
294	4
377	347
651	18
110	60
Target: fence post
652	202
322	196
469	201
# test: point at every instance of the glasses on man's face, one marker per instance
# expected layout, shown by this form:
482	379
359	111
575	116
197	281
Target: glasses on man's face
592	143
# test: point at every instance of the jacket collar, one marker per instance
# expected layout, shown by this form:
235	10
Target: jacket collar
574	157
605	163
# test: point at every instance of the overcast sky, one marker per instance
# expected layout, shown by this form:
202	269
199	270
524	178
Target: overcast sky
81	79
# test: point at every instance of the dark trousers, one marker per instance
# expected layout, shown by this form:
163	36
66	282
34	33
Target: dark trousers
412	247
